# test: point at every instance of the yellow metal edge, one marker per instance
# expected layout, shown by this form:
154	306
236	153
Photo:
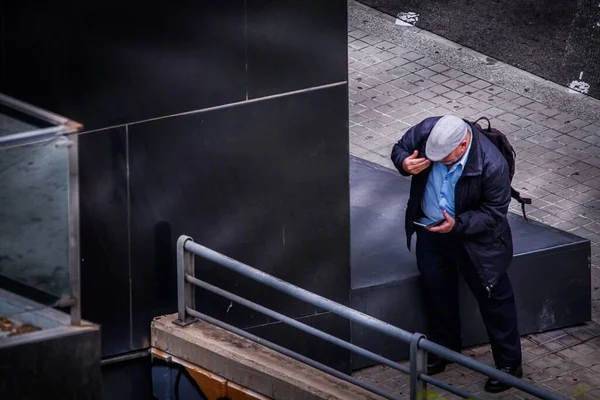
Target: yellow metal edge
237	392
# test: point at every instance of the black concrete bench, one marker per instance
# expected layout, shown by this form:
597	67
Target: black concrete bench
550	272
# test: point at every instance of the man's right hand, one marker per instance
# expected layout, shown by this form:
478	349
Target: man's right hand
414	165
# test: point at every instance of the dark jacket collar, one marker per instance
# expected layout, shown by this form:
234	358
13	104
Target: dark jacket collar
474	165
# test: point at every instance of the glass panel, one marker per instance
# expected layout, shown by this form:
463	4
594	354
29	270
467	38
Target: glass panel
34	224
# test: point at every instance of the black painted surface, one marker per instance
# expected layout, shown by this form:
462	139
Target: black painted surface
104	237
550	272
398	303
164	376
552	289
556	40
106	63
55	367
309	345
129	380
265	183
295	45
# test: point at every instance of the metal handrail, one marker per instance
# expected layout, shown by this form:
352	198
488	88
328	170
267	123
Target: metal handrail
35	136
60	125
419	345
32	110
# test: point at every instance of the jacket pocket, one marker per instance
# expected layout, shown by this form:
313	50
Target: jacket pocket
506	239
480	270
503	240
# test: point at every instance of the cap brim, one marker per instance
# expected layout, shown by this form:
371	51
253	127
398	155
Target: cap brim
434	155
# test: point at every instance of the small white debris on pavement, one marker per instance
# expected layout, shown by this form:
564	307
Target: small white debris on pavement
580	86
407	18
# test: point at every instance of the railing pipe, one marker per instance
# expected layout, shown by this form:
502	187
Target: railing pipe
186	297
322	335
297	292
33	136
418	366
419	344
291	354
297	324
493	373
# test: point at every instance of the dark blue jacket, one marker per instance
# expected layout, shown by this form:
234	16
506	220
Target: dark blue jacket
482	197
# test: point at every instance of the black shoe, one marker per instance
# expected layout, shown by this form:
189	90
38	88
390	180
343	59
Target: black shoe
435	364
494	386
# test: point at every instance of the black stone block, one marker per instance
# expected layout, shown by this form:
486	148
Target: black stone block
550	272
58	363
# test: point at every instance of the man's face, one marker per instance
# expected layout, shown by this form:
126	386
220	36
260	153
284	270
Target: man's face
458	152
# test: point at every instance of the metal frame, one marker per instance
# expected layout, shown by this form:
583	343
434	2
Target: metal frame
74	235
32	110
65	132
185	292
37	135
61	125
419	345
418	366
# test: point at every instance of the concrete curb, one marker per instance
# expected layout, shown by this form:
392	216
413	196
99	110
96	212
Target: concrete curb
249	364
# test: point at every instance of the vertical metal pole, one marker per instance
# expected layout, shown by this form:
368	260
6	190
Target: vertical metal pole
185	290
71	142
418	366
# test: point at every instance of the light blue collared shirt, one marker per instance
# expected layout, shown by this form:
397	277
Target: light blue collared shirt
439	191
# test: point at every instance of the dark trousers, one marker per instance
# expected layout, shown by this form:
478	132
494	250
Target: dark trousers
440	257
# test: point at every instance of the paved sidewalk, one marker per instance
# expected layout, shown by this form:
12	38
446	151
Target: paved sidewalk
558	153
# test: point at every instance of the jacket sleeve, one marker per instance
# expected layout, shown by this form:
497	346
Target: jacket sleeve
495	200
411	141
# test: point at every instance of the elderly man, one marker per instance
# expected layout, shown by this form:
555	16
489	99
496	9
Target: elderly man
459	197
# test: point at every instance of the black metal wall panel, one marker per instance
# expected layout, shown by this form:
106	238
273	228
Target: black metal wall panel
128	380
110	62
295	44
265	183
53	366
104	236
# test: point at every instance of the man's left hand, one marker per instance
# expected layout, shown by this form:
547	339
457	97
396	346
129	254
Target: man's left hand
445	226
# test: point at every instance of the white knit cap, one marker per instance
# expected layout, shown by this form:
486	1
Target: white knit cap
445	136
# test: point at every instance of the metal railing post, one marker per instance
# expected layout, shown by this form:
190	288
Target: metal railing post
185	290
418	366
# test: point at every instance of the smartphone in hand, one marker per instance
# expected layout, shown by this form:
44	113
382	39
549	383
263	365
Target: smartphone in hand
427	223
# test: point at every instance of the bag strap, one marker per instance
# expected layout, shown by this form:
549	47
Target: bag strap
513	193
522	200
489	128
